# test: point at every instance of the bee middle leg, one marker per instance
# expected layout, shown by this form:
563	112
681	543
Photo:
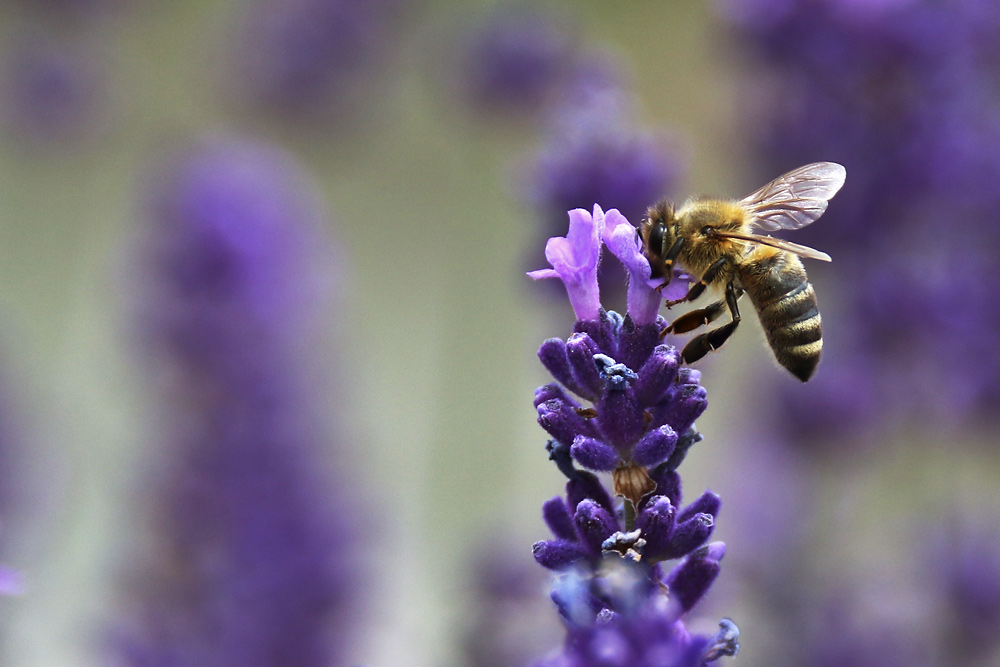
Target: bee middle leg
713	339
697	288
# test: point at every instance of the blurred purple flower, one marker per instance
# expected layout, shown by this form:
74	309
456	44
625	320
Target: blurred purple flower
515	60
510	620
256	560
587	160
50	91
964	562
301	58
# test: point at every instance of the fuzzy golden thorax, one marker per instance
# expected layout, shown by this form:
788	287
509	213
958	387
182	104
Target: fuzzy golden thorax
697	223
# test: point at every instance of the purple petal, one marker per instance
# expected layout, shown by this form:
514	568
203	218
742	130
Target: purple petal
574	260
622	240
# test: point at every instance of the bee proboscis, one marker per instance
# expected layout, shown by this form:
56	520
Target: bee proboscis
718	242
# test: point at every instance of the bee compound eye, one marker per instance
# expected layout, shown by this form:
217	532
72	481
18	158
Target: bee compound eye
655	240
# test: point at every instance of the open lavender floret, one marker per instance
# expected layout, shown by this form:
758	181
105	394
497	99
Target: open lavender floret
623	404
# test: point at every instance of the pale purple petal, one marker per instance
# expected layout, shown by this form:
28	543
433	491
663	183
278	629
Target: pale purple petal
574	259
623	241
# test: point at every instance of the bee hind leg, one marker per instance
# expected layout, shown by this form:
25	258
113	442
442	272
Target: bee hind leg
691	320
713	339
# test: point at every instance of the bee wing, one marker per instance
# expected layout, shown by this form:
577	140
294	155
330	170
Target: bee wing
780	244
795	199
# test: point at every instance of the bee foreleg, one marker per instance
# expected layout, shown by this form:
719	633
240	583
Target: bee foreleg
669	256
697	288
711	340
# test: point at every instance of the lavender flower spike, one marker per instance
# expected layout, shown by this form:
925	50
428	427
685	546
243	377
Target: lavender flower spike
574	259
634	417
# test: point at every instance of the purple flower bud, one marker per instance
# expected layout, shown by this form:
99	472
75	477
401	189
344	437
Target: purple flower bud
693	576
581	351
656	521
552	354
594	454
551	392
562	422
668	483
584	486
658	375
684	443
684	407
620	417
557	554
655	447
707	503
636	343
605	330
305	58
558	518
594	524
689	535
515	61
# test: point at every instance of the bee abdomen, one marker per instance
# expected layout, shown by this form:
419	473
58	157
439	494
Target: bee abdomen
794	330
786	304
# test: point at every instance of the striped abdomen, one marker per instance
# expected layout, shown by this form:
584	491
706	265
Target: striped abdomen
786	304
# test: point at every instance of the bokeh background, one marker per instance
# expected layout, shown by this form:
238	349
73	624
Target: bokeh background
381	174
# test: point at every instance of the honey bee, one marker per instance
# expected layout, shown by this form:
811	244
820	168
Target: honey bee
718	241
